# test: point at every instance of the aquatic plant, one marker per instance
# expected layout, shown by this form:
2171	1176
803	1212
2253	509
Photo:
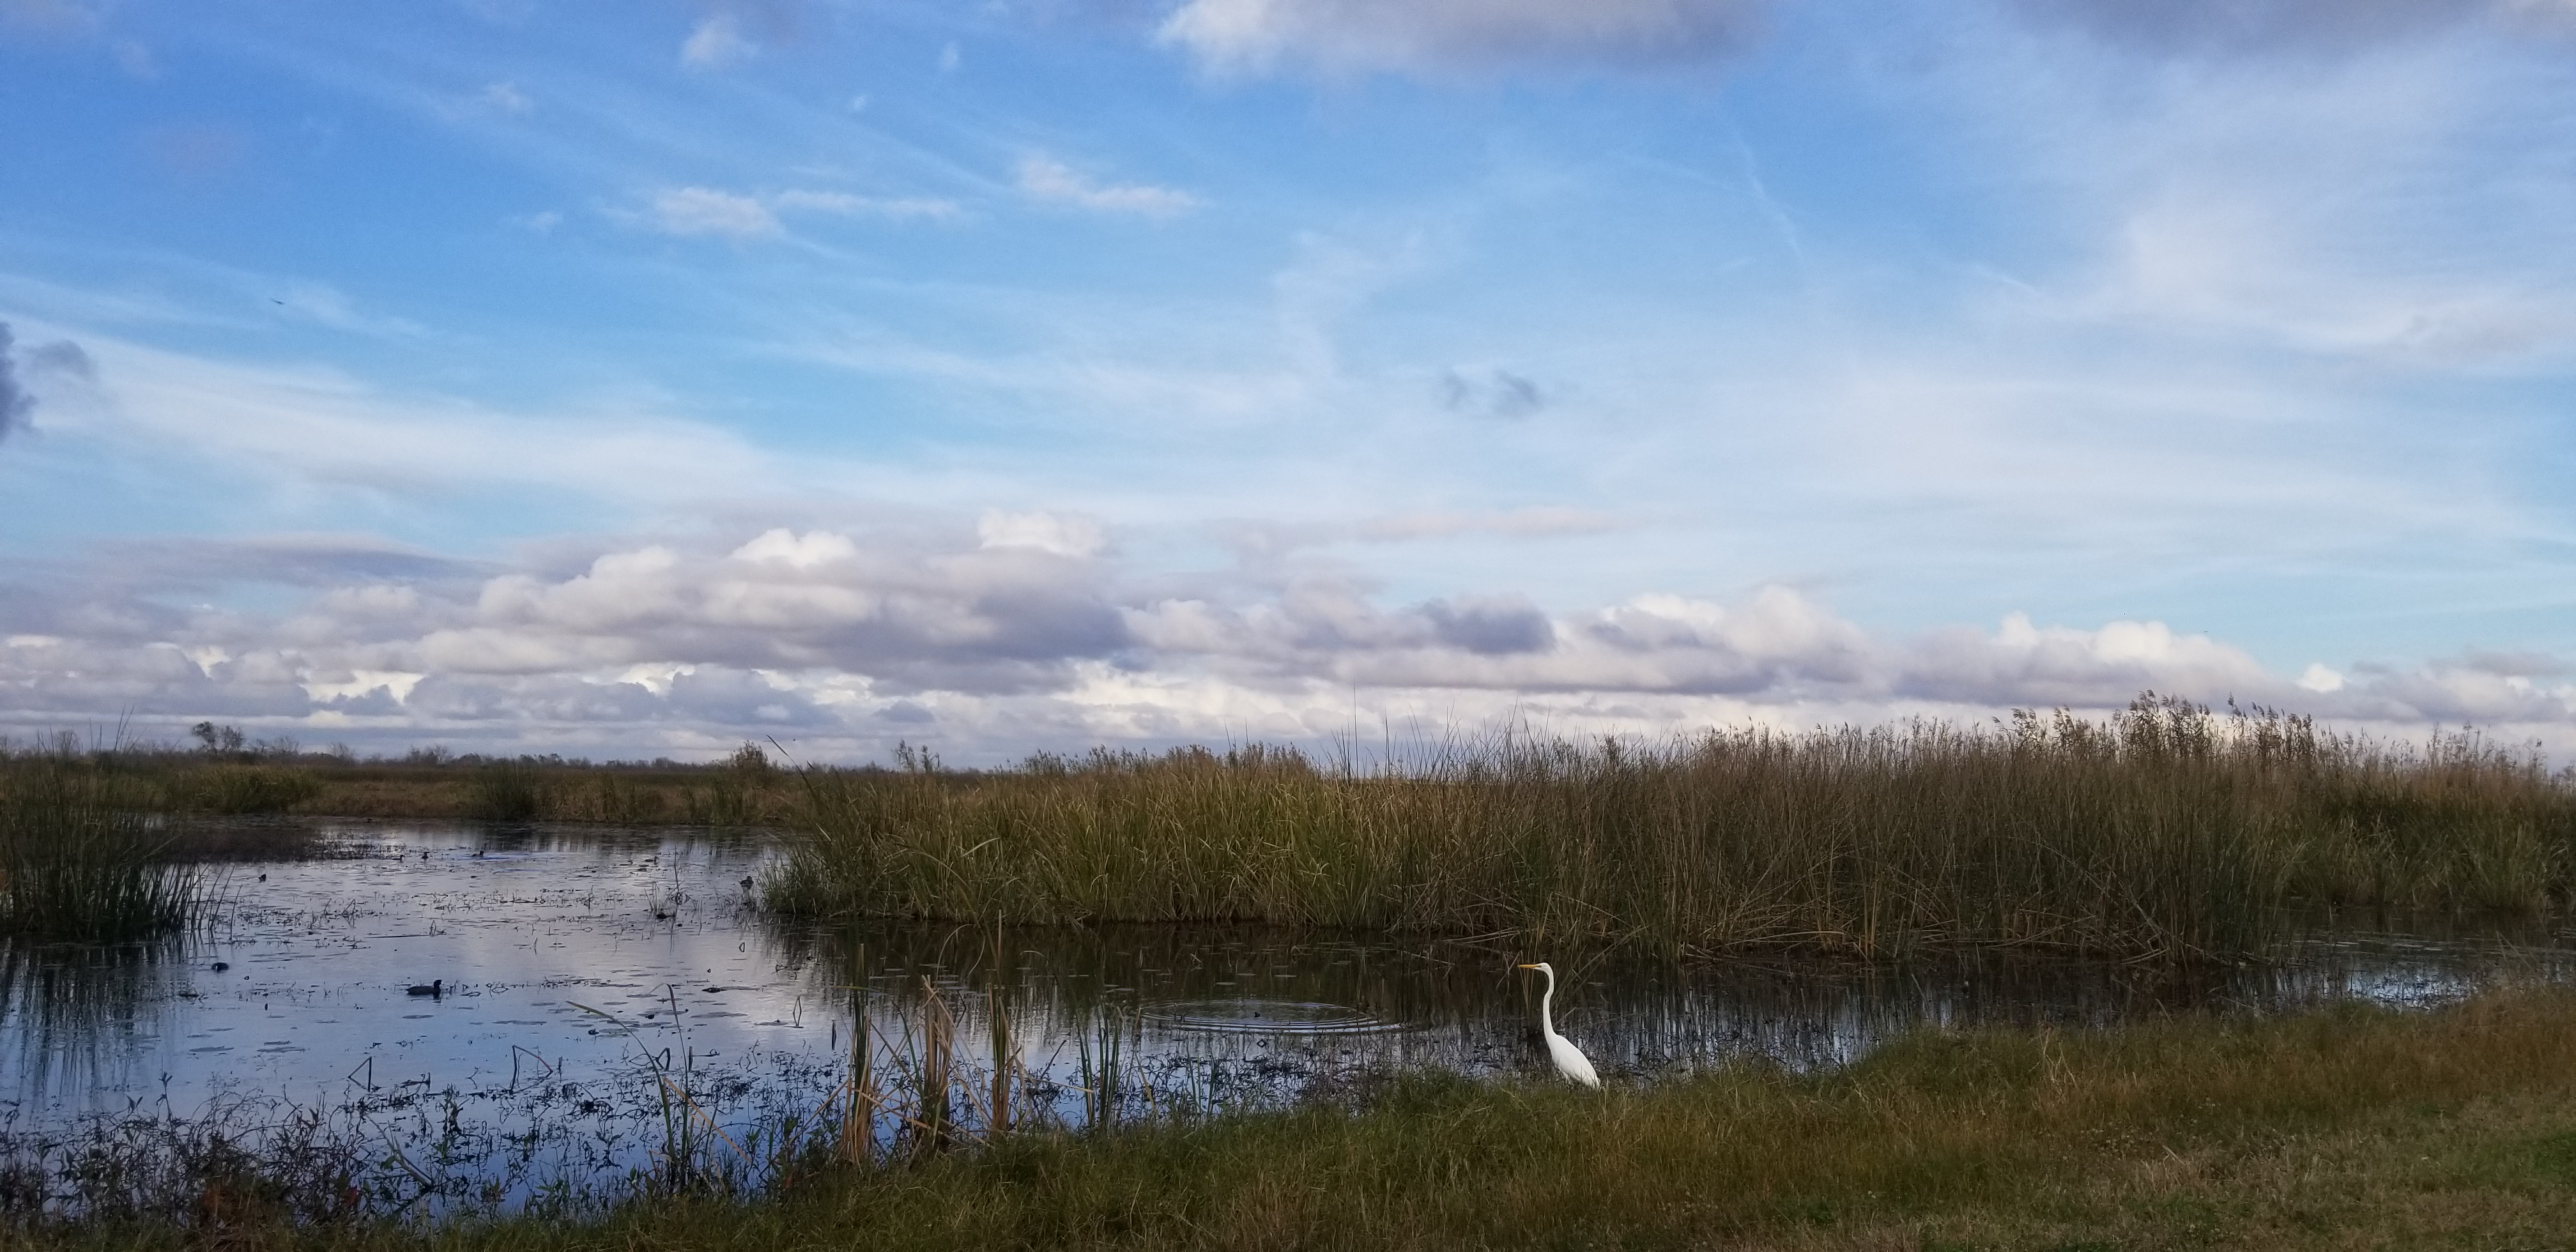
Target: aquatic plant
2165	832
509	791
78	864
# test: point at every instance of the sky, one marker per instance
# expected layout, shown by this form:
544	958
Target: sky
643	380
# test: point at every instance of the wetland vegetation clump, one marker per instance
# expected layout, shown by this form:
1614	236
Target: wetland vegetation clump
80	862
509	791
2165	832
235	789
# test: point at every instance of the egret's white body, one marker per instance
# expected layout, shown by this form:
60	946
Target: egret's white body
1569	1059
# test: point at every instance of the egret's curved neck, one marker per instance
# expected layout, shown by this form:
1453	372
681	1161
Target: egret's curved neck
1546	1017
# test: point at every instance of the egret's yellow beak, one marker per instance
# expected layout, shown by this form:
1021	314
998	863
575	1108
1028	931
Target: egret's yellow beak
1529	967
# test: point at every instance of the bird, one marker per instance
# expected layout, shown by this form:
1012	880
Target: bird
1569	1059
432	989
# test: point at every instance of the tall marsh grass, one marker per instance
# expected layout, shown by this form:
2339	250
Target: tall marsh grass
2165	832
79	863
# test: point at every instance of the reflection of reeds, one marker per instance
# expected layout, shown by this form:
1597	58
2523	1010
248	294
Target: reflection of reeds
2165	832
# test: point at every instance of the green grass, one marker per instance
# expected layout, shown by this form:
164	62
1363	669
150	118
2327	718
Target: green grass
2352	1128
2165	833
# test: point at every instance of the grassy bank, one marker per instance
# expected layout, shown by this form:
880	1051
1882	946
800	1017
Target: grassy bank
2353	1128
2164	832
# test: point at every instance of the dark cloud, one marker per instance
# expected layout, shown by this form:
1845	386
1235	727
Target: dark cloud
287	560
2255	26
1445	37
1499	626
15	403
2512	664
62	358
1499	394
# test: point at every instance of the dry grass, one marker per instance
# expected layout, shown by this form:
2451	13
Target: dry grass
2164	833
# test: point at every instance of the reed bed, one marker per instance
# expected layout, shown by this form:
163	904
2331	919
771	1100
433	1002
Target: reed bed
2164	832
79	864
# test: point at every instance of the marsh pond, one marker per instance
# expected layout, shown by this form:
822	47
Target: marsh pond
512	1015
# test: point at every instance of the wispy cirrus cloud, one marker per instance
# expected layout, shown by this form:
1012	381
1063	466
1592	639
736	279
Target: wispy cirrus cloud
845	204
710	212
1048	180
707	211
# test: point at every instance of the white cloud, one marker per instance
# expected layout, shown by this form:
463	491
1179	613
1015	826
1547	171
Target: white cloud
1447	36
1043	532
2319	679
717	43
706	211
1047	179
1024	635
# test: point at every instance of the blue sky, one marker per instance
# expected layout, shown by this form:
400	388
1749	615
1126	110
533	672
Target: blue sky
516	376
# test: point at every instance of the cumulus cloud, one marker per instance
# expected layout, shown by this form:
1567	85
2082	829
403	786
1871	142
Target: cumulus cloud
1022	632
1052	181
706	211
1450	36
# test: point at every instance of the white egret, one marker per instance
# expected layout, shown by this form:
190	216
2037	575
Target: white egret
1569	1059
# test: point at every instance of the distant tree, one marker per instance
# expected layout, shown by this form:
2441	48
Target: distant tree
216	738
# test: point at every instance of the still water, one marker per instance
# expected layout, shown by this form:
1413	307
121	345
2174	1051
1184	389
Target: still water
584	977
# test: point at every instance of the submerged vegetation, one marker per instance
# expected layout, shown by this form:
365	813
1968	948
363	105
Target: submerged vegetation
2165	832
2352	1127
